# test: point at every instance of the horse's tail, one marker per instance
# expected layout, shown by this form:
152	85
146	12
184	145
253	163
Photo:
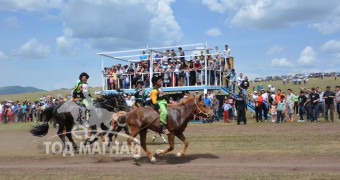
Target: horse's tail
42	130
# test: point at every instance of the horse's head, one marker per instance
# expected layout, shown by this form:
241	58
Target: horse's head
113	102
202	109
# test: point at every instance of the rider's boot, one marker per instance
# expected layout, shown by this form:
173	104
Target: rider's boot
87	115
164	129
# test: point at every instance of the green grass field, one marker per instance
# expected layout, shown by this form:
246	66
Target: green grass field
313	82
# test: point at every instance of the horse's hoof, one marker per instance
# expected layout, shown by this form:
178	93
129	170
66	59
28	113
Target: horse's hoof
158	152
153	160
137	156
179	154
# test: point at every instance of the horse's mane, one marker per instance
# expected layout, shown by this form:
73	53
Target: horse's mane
119	101
106	96
184	101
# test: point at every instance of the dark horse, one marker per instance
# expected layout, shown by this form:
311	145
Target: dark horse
144	118
65	117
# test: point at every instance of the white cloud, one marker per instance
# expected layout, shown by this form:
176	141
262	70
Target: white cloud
276	49
332	46
222	6
65	46
3	56
329	26
12	23
65	43
271	14
30	5
281	62
112	24
308	57
33	49
214	32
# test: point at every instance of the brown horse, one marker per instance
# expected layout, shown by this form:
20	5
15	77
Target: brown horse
144	118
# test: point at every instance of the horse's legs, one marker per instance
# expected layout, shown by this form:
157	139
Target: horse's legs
130	140
69	136
164	140
142	135
61	134
186	144
171	138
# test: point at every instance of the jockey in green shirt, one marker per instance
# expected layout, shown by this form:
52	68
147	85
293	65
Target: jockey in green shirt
159	102
140	94
82	94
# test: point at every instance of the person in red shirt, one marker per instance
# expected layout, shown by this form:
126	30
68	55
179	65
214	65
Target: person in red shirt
278	96
258	101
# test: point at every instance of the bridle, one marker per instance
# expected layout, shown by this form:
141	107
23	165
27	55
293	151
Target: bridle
200	111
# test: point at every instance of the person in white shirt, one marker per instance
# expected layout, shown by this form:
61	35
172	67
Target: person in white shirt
226	55
290	104
265	104
211	94
240	79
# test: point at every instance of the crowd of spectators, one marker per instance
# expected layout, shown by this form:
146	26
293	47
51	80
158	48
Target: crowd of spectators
27	111
308	104
174	67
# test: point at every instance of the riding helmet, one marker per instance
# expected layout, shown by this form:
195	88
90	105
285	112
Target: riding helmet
83	74
140	81
155	79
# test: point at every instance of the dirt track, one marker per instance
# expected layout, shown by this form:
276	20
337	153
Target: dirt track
23	157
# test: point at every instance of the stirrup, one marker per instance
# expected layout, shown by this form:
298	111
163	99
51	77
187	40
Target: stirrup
165	131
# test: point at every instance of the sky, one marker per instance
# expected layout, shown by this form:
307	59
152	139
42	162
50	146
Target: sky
48	43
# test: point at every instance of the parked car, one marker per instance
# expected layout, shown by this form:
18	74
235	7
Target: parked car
318	75
276	78
269	78
300	76
311	75
258	79
327	75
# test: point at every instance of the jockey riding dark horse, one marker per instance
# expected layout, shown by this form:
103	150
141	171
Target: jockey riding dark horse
82	95
140	94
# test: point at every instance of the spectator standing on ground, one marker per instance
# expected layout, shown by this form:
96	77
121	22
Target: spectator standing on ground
329	96
296	103
290	105
313	101
215	107
281	108
258	107
231	100
241	108
207	100
321	103
273	112
337	100
302	100
226	107
265	106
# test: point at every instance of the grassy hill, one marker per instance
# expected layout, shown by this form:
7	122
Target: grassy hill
277	84
18	90
33	96
313	82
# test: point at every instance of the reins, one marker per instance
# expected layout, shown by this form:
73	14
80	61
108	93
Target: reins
200	111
